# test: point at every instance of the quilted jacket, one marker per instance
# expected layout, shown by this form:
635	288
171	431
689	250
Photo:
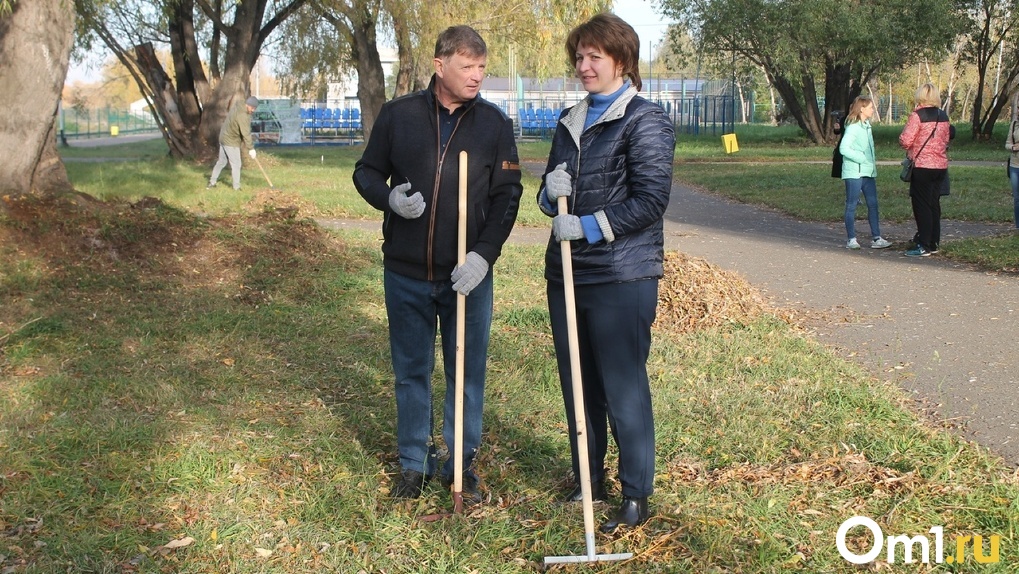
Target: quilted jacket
621	167
921	124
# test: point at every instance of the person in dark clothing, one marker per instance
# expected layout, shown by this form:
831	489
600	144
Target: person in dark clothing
409	170
925	139
612	157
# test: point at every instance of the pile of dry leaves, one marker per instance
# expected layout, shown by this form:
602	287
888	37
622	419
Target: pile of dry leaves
695	294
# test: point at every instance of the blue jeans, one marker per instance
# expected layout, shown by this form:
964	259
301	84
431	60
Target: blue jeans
868	187
1013	178
414	308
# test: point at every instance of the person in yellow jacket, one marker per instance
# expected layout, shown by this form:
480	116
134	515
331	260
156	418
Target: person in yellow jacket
236	130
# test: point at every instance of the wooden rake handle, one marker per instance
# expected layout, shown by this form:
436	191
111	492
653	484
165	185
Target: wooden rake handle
579	413
461	312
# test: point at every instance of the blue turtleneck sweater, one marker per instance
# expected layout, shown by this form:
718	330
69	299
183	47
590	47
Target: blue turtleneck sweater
600	103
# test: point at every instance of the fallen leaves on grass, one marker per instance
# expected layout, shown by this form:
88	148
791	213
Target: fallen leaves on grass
694	294
849	469
173	545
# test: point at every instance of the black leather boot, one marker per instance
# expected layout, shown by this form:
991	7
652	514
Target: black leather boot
598	492
631	512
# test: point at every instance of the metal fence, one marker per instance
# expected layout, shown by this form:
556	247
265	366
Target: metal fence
692	115
78	123
307	123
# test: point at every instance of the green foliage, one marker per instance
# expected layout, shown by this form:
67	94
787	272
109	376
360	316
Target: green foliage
821	50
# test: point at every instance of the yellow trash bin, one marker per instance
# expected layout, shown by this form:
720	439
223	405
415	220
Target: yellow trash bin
114	131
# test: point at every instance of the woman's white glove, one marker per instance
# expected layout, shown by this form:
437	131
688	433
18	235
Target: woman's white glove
558	183
251	153
467	276
406	207
567	228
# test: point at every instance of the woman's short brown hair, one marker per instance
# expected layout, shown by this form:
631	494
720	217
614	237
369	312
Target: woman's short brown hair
615	37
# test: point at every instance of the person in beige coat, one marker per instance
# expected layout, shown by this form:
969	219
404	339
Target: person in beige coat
236	131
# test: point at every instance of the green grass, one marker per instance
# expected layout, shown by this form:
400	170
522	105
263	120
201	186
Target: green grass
320	177
787	143
226	381
807	191
234	388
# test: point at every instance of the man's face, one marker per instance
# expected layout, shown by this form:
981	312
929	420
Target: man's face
459	77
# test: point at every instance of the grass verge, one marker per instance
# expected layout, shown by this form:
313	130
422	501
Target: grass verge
216	396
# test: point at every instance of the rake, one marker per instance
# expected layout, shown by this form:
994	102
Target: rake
456	487
461	313
579	415
265	175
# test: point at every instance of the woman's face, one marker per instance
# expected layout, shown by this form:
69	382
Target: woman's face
597	70
867	111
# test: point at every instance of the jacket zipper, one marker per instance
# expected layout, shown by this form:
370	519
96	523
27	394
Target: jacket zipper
435	187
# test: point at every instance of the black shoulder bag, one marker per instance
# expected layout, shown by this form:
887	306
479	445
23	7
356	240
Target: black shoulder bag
907	164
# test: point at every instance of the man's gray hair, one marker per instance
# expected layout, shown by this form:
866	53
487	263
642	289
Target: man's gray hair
460	40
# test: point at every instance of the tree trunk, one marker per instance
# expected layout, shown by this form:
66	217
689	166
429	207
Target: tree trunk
405	56
164	99
371	80
35	45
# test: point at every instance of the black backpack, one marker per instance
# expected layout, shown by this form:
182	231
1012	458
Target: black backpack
836	161
836	155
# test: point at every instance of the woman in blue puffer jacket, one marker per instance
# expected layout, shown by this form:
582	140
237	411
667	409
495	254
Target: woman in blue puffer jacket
611	158
859	171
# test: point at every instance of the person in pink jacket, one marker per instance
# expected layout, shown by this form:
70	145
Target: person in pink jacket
925	139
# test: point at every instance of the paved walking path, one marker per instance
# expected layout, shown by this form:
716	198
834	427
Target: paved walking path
943	331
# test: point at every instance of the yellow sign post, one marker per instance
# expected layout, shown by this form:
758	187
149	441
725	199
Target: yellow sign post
729	141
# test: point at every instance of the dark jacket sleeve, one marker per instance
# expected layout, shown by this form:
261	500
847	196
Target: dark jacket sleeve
652	147
372	171
504	194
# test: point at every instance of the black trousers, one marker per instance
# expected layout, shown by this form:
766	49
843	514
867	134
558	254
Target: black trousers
925	195
614	331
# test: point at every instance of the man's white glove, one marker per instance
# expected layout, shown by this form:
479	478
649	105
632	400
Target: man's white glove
567	228
406	207
467	276
558	183
251	153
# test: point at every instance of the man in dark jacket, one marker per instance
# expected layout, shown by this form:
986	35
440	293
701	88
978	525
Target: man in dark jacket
410	171
236	131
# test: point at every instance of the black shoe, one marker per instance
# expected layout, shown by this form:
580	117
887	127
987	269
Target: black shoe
632	512
468	488
598	492
409	484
